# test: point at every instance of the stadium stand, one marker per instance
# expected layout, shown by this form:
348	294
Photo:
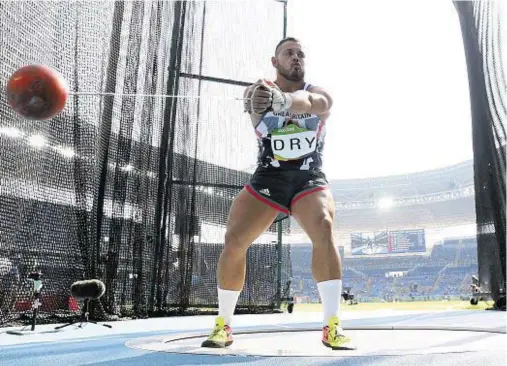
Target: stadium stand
444	273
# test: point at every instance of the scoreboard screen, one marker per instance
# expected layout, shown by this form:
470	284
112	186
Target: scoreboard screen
369	243
385	242
406	241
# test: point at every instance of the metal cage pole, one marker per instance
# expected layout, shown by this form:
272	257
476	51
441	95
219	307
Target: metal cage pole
279	223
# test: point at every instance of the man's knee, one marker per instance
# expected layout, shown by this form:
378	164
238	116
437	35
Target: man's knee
234	243
323	229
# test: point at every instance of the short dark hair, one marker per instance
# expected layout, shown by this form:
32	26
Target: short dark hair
286	39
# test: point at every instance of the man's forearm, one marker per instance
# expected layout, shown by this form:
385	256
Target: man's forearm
306	102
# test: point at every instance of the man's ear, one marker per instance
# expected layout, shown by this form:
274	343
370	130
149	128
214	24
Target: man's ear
274	61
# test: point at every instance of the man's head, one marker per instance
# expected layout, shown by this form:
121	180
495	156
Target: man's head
289	59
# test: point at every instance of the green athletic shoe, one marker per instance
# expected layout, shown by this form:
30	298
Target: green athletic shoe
333	337
220	337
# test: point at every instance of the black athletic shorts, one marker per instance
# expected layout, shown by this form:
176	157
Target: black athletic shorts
281	188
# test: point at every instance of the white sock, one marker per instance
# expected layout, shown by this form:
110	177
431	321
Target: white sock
227	301
330	295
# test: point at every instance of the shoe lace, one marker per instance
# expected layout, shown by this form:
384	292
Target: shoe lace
216	331
335	332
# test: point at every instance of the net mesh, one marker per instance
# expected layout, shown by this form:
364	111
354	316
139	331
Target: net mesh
132	190
483	23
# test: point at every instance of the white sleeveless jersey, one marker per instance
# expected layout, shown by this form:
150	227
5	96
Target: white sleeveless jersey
290	141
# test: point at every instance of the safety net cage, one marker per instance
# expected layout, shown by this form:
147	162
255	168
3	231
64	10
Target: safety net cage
484	29
132	183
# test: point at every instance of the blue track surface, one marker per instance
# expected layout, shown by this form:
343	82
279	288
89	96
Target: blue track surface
99	347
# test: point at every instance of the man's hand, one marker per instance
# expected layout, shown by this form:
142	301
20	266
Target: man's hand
258	98
264	96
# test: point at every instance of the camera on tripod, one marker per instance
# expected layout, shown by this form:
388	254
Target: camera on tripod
36	276
37	284
347	295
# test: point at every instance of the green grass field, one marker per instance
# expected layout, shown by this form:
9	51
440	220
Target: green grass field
416	305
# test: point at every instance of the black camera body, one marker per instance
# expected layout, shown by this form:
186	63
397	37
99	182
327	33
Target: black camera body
36	276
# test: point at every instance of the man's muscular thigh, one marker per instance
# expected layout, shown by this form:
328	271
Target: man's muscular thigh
315	214
248	219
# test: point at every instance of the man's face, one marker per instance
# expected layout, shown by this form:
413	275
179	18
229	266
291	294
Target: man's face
290	61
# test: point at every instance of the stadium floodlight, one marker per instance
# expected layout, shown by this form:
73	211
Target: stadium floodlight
66	151
11	132
127	168
37	141
385	203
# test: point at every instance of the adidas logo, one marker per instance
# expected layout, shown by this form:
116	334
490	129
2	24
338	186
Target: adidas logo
265	191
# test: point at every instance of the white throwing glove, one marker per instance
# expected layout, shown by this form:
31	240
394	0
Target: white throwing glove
280	101
265	96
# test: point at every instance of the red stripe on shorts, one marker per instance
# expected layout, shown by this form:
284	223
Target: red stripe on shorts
306	193
263	199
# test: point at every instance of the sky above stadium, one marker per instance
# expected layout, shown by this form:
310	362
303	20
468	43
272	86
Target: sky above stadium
396	70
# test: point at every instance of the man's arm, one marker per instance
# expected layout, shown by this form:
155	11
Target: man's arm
314	101
254	117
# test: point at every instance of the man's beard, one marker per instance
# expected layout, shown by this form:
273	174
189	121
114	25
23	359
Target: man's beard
292	74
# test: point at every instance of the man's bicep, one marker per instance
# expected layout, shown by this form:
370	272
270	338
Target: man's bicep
322	93
324	116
